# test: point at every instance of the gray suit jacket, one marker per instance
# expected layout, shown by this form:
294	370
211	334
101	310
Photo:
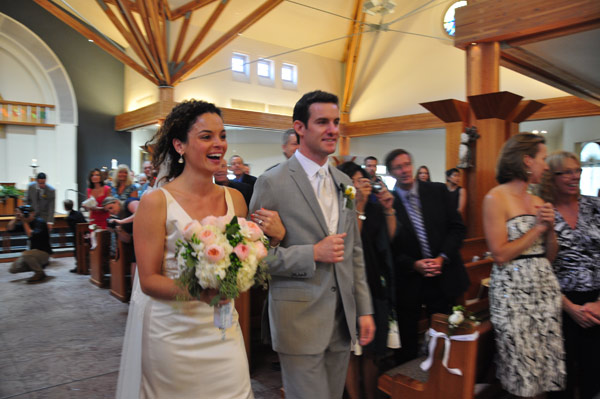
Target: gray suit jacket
302	292
42	201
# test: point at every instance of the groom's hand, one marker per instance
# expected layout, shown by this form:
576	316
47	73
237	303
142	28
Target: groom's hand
366	329
330	249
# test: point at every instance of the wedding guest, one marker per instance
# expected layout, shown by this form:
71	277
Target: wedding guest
377	223
525	300
98	190
289	143
179	350
423	174
577	267
236	164
458	194
124	187
41	197
222	180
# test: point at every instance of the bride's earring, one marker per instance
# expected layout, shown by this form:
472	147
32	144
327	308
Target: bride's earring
180	158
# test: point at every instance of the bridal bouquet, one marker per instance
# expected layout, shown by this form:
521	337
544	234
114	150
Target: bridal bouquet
223	255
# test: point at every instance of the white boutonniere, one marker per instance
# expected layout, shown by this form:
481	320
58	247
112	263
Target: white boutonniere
349	193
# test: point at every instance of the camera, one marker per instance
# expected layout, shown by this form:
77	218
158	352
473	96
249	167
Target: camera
111	222
25	210
376	185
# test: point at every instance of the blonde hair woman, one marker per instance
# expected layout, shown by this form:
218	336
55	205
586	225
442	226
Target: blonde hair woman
123	186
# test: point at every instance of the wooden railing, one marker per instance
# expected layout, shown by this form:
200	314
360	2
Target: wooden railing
26	114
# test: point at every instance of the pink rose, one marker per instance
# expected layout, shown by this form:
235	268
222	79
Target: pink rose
191	228
254	231
222	223
242	222
214	253
209	221
207	236
242	251
260	249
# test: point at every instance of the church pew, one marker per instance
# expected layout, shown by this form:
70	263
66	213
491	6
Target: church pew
120	269
408	381
82	247
99	258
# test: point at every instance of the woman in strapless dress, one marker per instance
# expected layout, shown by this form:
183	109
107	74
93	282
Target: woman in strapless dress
525	298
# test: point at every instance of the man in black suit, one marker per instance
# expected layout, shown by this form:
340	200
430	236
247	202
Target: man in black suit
426	247
222	180
236	163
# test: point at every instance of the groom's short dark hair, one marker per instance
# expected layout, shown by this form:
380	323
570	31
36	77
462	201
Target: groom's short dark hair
301	112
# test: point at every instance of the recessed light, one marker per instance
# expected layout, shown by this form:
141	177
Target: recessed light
90	40
544	131
535	131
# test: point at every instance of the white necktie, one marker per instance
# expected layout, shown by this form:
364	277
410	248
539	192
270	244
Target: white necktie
326	198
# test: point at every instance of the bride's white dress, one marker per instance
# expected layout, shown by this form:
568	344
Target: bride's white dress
172	349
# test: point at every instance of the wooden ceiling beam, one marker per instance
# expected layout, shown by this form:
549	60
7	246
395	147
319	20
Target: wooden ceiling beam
124	32
505	20
99	40
393	124
225	39
139	38
181	37
353	50
204	31
529	64
191	6
157	33
148	31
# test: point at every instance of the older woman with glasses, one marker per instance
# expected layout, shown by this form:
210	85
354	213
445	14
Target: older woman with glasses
577	267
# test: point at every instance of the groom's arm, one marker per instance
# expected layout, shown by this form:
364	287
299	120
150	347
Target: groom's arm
295	261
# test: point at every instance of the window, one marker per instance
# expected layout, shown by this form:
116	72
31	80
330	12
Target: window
449	20
590	163
264	68
288	73
239	63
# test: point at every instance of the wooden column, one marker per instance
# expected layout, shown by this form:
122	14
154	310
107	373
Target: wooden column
483	68
496	116
344	145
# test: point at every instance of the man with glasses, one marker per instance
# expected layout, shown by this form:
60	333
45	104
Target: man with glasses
426	250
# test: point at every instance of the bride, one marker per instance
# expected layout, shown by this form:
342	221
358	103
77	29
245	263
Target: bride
182	354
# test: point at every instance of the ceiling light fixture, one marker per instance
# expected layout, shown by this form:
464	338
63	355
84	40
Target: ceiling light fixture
91	40
535	131
382	7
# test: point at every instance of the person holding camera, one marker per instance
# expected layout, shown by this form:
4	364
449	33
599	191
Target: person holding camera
121	216
38	254
377	225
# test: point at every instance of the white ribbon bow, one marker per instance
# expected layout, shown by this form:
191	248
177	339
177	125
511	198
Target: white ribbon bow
426	365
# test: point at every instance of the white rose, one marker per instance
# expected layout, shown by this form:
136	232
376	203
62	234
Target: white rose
456	318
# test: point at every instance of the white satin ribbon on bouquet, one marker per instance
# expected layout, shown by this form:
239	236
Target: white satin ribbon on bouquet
426	365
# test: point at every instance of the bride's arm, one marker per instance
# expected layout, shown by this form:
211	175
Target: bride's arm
149	238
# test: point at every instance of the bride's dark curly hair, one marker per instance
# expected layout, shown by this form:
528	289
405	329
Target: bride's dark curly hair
176	126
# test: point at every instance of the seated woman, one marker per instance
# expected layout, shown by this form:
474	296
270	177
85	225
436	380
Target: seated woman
377	223
577	267
123	186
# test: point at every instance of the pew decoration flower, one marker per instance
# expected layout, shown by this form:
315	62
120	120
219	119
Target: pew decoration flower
460	317
349	193
227	256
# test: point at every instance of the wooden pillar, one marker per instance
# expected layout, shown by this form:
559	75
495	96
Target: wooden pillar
344	144
483	68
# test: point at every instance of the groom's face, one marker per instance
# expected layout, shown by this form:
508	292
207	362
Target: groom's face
318	138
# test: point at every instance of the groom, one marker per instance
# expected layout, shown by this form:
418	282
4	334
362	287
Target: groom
318	293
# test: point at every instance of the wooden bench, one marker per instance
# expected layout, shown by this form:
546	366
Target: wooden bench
120	271
82	248
408	381
99	259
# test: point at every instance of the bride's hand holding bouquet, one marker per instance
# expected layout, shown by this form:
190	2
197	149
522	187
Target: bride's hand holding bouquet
219	259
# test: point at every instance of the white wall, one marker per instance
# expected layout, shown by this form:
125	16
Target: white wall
428	147
26	63
314	72
580	130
